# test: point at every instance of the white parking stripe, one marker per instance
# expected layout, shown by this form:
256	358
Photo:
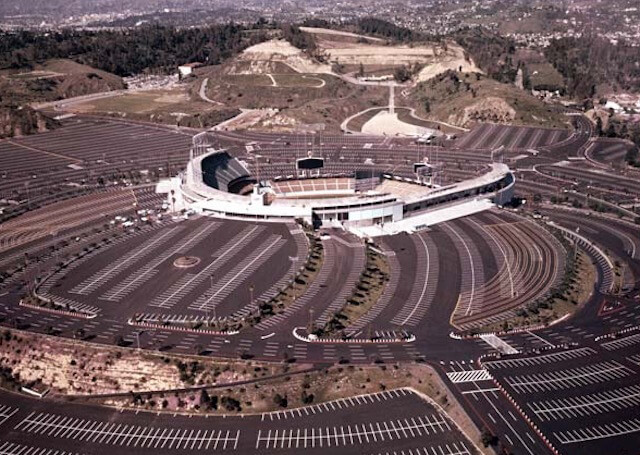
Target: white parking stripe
122	435
382	431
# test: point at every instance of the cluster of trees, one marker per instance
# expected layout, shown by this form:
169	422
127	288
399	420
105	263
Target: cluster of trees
386	29
211	402
303	41
625	130
590	61
493	53
298	38
280	400
317	22
126	52
631	157
619	128
22	120
402	74
189	371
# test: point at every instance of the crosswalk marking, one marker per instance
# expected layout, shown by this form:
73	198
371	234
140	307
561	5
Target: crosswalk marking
458	377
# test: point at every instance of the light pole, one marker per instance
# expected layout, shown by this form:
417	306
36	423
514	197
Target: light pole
251	295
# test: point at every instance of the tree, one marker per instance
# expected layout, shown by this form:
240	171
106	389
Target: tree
488	438
427	105
526	77
402	74
307	398
598	126
280	400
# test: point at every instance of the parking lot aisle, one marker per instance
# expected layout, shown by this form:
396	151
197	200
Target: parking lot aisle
271	349
214	345
6	412
453	448
300	351
187	342
411	351
158	339
329	352
384	353
356	353
110	330
244	346
516	431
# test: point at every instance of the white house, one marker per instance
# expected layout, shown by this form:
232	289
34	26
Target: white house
187	68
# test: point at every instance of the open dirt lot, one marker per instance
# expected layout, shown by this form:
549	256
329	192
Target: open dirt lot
387	124
262	55
68	367
172	106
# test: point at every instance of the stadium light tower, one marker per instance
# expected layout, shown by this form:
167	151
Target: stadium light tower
256	158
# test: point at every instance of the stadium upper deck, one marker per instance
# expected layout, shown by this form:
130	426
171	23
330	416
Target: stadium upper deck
207	186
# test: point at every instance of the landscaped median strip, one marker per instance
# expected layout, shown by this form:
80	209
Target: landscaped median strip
160	325
315	339
55	310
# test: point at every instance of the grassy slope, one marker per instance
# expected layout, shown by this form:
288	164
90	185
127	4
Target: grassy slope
57	79
53	80
447	103
329	104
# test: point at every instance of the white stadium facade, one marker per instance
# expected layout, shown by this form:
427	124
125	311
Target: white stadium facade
216	184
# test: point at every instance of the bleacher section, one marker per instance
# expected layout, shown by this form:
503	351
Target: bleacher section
220	171
402	189
315	186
